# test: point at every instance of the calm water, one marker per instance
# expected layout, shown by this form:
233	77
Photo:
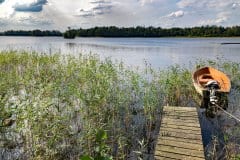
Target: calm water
159	52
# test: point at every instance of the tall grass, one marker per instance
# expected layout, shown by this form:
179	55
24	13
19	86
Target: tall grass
57	107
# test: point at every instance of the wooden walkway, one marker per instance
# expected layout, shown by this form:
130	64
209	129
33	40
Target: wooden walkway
180	135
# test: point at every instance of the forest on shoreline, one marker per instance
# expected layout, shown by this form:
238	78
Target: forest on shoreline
139	31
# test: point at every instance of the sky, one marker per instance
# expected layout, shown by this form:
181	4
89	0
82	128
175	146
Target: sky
61	14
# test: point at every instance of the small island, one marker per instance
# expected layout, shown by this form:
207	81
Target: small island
70	34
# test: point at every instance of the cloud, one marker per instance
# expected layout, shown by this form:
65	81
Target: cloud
150	2
99	2
85	13
219	4
214	12
206	4
30	6
235	5
171	20
144	2
6	10
97	7
2	22
33	21
223	17
26	21
220	19
176	14
102	9
187	3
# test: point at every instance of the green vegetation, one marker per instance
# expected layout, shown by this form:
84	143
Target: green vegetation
37	33
70	34
64	107
112	31
203	31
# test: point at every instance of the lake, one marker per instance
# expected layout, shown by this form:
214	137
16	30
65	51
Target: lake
159	52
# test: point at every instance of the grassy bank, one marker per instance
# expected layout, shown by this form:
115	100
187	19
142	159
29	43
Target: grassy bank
65	107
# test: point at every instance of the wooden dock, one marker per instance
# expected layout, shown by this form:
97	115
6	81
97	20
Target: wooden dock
180	135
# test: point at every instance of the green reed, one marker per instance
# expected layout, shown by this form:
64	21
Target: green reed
53	106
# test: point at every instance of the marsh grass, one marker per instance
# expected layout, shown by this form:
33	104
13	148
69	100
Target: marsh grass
53	106
58	103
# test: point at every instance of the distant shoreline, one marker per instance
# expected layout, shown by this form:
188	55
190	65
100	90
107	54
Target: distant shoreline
230	43
131	37
132	32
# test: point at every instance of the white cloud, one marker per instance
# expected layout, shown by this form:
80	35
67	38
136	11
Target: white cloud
188	3
3	22
23	21
211	12
235	5
33	21
219	4
220	19
6	10
151	2
144	2
223	17
84	13
171	20
95	7
206	4
176	14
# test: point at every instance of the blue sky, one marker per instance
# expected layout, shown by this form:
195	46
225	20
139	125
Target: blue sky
59	14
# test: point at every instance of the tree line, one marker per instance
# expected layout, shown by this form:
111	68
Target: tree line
36	33
112	31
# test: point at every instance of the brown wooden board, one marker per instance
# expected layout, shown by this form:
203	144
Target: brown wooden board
180	135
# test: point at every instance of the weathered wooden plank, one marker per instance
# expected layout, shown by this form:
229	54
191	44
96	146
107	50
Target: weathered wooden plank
180	127
160	155
177	123
180	135
179	112
181	151
180	144
174	108
184	119
157	157
180	131
180	140
182	115
181	122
